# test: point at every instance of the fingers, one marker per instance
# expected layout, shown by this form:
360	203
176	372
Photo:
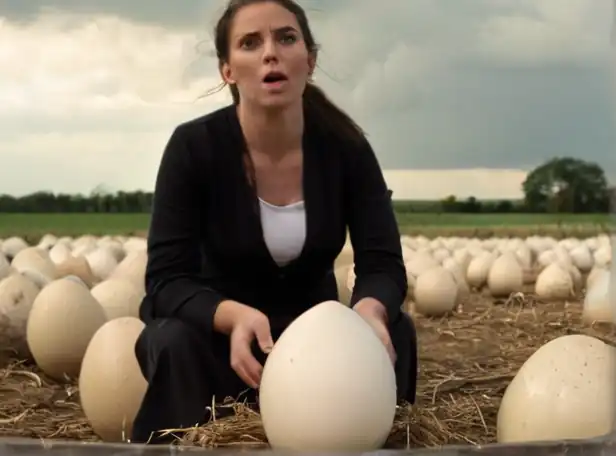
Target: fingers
255	326
383	334
249	370
263	334
243	362
391	352
374	314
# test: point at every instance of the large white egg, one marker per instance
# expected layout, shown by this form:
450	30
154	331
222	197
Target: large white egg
436	292
132	268
328	384
111	386
118	297
63	319
600	299
564	391
17	294
35	259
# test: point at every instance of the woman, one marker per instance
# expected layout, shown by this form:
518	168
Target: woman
251	208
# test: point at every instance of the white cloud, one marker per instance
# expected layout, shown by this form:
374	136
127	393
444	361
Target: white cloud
574	30
64	62
92	99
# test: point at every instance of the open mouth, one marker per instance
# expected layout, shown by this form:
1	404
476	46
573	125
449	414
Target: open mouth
274	77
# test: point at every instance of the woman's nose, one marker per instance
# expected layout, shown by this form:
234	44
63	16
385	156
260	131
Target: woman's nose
270	51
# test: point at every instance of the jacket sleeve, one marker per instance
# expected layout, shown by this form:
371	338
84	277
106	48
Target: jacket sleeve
173	283
379	267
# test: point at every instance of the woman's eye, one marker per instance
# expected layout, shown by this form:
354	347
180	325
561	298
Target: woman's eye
248	43
288	39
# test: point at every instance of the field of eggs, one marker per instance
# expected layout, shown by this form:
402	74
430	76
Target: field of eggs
490	315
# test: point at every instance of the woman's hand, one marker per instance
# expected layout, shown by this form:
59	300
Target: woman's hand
245	324
375	314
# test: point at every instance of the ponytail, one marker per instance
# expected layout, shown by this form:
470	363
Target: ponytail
319	106
333	119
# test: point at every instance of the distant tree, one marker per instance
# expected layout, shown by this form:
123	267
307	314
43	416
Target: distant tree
450	204
566	185
504	207
471	205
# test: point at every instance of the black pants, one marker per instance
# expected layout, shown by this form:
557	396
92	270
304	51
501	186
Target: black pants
184	374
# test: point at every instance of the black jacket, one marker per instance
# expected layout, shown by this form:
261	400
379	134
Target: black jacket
206	244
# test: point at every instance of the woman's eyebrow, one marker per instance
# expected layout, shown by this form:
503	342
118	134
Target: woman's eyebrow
278	30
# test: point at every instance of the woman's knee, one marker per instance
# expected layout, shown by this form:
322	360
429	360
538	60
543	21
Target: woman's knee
166	340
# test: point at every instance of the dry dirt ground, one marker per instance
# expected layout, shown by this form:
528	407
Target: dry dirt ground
466	362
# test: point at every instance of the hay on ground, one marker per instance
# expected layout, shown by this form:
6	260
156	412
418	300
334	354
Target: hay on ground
466	362
32	406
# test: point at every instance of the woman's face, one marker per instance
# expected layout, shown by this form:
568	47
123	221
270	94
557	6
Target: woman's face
268	58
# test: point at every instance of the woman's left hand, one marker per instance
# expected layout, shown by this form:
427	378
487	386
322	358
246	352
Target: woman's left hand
375	314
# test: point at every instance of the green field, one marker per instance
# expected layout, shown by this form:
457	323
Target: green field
33	226
36	225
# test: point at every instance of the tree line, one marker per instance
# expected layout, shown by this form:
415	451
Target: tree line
560	185
48	202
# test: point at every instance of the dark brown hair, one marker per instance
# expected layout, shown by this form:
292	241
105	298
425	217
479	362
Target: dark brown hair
316	103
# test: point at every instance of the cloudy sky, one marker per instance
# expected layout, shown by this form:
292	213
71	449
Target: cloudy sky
458	96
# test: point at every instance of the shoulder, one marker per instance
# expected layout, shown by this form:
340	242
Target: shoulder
205	127
193	143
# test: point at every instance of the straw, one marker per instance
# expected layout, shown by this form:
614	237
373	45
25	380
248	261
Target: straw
467	360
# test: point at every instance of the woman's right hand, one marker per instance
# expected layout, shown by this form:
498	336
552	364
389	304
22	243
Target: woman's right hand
245	324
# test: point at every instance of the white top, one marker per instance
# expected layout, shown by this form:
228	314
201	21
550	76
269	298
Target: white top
284	230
